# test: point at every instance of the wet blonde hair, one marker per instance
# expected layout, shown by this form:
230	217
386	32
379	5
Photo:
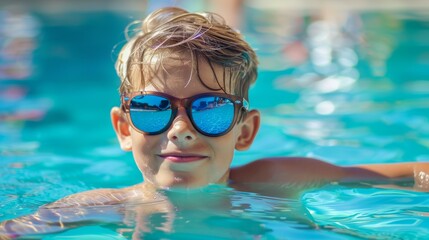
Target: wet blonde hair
205	36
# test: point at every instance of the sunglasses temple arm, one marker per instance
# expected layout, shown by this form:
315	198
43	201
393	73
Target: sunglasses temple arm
246	104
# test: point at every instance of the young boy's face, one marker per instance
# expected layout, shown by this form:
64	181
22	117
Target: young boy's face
181	156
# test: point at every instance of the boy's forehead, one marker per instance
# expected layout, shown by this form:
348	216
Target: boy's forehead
162	67
178	70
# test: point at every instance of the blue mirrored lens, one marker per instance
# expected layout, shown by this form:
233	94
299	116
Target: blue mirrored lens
150	113
213	115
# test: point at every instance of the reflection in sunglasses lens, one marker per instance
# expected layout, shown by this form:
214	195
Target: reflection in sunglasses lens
150	113
213	115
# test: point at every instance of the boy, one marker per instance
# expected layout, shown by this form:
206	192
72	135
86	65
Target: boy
185	108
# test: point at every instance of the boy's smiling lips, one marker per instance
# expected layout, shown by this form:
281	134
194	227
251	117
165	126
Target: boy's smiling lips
182	157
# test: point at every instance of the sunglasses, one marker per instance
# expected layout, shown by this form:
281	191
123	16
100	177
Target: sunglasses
211	114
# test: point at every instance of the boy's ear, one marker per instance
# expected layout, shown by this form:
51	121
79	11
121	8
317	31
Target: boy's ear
248	130
122	128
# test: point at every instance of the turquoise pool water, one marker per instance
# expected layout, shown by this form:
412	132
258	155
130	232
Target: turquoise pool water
347	88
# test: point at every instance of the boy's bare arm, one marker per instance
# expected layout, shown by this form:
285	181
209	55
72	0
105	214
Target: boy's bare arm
308	170
418	171
55	216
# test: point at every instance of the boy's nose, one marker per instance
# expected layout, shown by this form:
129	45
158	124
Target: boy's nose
182	130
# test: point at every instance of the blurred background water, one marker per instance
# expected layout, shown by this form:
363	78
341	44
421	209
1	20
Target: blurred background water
347	83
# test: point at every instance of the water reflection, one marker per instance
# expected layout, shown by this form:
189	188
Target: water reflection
352	72
19	32
18	40
398	214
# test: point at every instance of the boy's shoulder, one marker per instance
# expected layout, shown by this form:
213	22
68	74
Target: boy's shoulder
292	171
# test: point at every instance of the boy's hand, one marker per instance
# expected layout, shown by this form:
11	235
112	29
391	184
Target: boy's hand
421	176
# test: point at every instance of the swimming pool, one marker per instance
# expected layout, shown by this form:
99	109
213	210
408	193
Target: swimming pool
348	88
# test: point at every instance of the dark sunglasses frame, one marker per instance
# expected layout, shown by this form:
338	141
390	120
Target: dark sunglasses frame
240	105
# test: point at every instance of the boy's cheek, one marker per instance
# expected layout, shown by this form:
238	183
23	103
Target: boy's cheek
145	144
